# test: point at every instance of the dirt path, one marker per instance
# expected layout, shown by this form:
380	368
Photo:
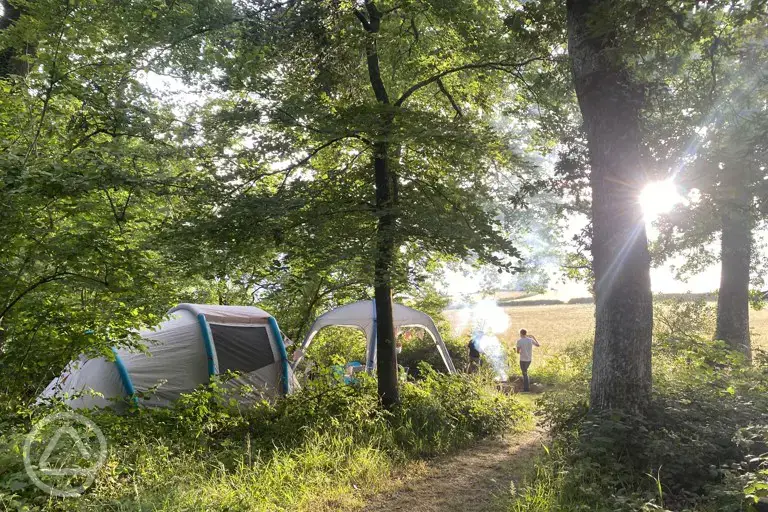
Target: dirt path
472	480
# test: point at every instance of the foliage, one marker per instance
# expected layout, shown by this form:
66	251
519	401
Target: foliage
94	176
753	470
421	348
680	320
294	150
709	118
450	411
570	366
335	345
692	448
241	186
327	445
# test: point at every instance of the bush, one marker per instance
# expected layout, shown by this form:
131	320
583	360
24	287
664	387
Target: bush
695	448
324	447
569	368
422	349
443	411
334	344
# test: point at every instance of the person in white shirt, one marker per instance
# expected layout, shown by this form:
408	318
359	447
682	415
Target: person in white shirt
525	348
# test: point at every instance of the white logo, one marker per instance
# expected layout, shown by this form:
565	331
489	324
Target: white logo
67	474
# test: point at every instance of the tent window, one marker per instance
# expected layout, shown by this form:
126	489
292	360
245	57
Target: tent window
242	349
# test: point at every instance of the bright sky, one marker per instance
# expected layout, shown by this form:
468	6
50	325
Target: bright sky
662	280
656	199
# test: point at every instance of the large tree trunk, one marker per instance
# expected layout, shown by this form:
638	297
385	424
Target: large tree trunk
610	105
736	251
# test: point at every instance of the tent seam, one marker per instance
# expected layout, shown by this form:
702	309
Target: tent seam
283	354
125	377
208	342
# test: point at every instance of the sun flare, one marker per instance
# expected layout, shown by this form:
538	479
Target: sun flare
659	197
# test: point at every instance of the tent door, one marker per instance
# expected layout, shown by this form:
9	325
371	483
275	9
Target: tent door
242	348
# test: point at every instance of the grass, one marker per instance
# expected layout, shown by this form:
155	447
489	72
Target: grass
758	321
327	447
330	473
693	449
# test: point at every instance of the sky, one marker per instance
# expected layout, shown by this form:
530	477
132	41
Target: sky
662	281
657	199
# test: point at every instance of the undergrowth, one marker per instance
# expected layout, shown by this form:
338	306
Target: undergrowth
701	445
324	448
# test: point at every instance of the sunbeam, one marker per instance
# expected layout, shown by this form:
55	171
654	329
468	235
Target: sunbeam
657	198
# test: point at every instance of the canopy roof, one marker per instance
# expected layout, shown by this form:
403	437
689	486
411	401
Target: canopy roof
362	315
226	314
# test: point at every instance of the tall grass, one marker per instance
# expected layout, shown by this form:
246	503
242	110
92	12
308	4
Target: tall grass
326	448
696	447
331	471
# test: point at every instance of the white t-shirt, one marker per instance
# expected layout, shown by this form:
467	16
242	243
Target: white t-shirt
526	348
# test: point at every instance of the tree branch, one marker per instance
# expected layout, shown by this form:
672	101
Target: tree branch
58	276
363	20
288	170
500	66
679	20
447	94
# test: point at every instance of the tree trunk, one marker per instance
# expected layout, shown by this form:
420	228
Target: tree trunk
10	64
610	105
736	252
386	356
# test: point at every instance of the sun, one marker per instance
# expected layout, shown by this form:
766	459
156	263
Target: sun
657	198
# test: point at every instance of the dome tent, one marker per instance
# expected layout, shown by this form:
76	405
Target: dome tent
195	343
362	315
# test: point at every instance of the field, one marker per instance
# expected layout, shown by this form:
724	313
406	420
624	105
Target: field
558	325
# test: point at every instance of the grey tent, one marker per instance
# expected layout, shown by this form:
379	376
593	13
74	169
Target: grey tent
195	343
362	315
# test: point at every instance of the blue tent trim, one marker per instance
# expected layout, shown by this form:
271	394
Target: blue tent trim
283	354
373	341
125	377
208	342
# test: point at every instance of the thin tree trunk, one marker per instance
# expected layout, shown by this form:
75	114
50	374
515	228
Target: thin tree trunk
307	315
736	252
610	105
386	356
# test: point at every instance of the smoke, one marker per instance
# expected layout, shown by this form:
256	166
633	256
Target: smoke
484	315
485	319
490	345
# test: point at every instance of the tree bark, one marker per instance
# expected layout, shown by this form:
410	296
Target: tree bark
10	64
735	258
386	356
610	104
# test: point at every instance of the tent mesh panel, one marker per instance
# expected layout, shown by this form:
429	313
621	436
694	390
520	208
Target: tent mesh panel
242	349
